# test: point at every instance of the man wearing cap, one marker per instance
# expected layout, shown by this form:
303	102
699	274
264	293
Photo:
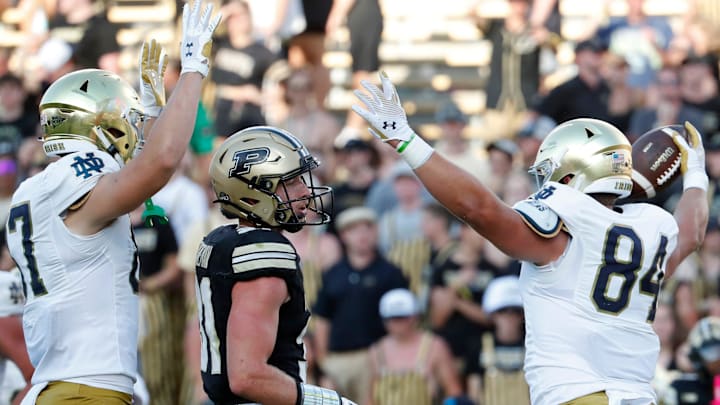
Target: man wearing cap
400	229
496	375
347	319
409	363
359	161
501	157
585	95
454	146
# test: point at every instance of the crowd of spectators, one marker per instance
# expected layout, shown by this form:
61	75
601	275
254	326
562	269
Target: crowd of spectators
634	70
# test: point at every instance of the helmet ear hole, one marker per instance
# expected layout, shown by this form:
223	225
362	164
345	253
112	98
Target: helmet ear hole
116	133
566	179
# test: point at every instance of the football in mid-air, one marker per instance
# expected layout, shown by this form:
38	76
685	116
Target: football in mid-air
656	161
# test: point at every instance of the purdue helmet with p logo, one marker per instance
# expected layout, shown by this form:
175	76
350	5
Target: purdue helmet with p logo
589	155
91	109
248	172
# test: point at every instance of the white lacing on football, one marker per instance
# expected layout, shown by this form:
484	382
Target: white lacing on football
670	172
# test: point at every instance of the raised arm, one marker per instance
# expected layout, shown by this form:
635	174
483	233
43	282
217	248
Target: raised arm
120	192
691	212
456	189
338	13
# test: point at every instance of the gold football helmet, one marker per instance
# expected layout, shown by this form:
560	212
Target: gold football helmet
248	170
587	154
91	109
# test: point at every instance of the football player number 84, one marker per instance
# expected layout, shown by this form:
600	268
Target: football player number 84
627	269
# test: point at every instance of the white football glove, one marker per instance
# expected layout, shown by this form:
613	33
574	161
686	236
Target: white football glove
314	395
153	62
384	113
197	38
693	158
388	121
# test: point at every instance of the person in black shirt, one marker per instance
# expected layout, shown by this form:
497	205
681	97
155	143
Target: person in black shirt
85	26
240	62
18	117
585	95
347	308
251	302
162	309
457	285
515	63
360	160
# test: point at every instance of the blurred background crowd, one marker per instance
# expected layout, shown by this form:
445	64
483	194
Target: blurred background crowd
484	80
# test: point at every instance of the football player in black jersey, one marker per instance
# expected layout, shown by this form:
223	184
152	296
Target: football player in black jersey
251	301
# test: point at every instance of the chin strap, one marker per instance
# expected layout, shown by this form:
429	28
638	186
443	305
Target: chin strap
153	213
108	146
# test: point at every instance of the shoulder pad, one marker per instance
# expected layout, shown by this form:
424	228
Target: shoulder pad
262	252
539	217
74	175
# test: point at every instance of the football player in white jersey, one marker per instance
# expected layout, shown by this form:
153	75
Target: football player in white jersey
591	270
12	344
68	228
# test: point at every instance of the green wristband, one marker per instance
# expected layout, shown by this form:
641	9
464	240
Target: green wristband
405	144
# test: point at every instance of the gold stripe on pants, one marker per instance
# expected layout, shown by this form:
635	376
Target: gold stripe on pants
596	398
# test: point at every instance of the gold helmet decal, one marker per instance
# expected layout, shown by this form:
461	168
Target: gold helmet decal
587	154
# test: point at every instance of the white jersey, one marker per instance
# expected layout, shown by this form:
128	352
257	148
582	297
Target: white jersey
81	315
11	304
589	314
